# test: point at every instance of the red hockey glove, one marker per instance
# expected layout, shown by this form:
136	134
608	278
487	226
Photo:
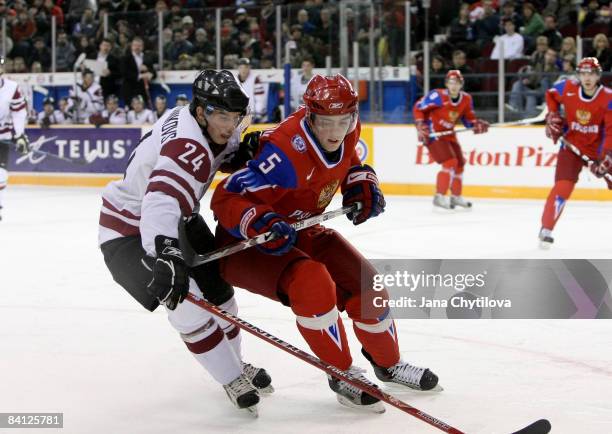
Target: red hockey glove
258	220
423	132
480	126
361	186
554	126
603	166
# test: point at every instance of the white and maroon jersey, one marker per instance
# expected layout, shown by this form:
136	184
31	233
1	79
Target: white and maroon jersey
140	118
13	109
86	102
166	177
299	83
67	116
118	117
55	118
257	92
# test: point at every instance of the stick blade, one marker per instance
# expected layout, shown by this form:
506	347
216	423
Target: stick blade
541	426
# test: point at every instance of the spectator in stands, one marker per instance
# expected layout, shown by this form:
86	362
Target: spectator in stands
65	53
327	30
551	32
462	33
188	28
179	46
537	57
87	26
534	25
601	50
487	27
512	42
51	9
24	28
460	63
594	15
9	65
509	12
40	53
532	84
185	63
562	9
76	9
84	46
111	73
19	65
241	21
36	67
204	51
304	20
139	115
568	47
161	107
568	69
136	70
438	72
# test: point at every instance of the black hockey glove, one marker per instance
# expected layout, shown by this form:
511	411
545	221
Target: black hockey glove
22	144
246	152
170	283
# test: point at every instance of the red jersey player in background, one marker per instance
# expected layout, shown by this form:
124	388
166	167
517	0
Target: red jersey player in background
316	272
436	112
587	124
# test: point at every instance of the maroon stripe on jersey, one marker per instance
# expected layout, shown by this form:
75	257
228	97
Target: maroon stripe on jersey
161	186
190	155
2	186
21	107
17	94
206	344
232	333
181	181
6	130
112	222
123	212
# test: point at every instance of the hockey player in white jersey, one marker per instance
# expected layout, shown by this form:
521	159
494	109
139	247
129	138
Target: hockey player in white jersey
167	174
86	98
139	115
254	88
13	115
113	114
50	115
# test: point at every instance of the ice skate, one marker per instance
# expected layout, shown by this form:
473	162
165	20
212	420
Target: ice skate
350	396
459	201
258	378
243	394
546	239
442	203
406	374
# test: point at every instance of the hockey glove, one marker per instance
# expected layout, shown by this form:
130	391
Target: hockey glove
246	151
361	186
601	167
284	234
22	144
170	283
480	126
423	132
554	126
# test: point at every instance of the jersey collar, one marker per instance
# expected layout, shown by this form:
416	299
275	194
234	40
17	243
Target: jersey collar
589	99
314	143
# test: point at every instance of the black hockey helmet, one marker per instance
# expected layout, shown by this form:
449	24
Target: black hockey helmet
219	89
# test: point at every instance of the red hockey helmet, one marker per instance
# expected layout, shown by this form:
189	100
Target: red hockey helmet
330	96
589	64
454	74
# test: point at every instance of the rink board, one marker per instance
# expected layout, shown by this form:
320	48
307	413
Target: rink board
514	162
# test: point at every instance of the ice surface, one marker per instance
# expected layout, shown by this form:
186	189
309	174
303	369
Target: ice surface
73	341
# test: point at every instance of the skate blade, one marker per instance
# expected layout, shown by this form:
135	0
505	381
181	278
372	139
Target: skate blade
266	390
377	407
398	387
441	210
459	208
252	411
545	245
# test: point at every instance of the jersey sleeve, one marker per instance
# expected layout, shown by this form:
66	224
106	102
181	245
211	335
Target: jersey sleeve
181	171
469	117
260	184
427	103
554	94
607	138
19	112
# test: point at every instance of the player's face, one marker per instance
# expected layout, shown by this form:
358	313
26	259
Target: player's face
454	87
48	108
331	130
137	106
111	106
160	105
88	80
222	124
588	79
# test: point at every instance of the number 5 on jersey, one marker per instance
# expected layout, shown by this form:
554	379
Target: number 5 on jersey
270	163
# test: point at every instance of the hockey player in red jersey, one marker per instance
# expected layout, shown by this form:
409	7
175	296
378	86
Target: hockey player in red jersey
316	272
437	112
167	174
13	115
579	111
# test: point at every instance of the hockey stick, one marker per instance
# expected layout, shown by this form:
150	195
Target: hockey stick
541	426
539	118
584	158
194	259
48	154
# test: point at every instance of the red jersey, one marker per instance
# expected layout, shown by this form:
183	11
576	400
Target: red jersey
441	112
291	176
588	123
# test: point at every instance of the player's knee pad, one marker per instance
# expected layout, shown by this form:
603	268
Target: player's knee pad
564	188
450	165
188	317
310	288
